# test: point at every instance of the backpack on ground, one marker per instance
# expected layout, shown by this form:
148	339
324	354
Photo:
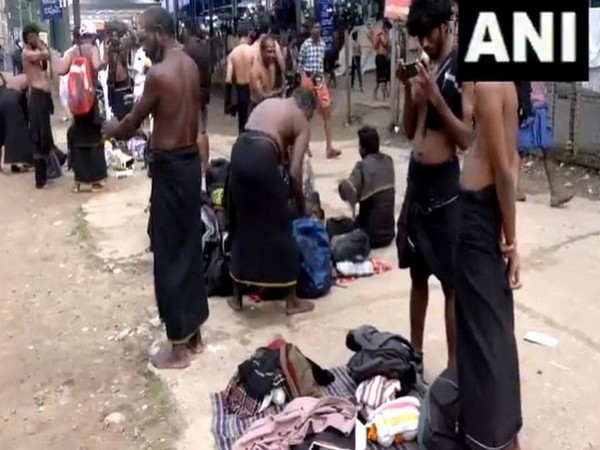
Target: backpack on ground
438	421
81	86
353	247
217	260
314	278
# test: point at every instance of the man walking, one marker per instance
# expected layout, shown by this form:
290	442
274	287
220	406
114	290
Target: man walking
311	60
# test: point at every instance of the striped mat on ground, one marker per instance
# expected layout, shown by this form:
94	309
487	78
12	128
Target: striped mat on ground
227	428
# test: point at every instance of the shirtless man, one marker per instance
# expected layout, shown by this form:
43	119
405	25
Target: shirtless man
35	65
119	82
239	67
489	269
263	250
262	76
438	117
172	96
381	45
263	33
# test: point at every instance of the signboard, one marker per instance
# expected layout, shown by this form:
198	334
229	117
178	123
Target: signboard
324	13
50	9
396	9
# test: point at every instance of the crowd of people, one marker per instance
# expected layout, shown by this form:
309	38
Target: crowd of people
449	213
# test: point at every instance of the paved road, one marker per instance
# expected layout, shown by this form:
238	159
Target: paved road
560	297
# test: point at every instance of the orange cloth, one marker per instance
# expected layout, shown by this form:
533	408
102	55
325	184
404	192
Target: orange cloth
320	91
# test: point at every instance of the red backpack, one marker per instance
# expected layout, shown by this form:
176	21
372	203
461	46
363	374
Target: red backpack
81	87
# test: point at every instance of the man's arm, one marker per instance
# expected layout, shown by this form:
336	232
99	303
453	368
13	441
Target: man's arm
97	63
460	130
229	74
350	190
256	86
38	55
62	65
280	59
299	148
410	113
141	109
491	122
301	57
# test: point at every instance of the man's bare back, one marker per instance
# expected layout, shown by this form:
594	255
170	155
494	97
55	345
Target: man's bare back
496	128
277	118
17	83
177	83
240	62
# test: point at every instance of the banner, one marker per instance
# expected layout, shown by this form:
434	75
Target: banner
324	13
396	9
50	9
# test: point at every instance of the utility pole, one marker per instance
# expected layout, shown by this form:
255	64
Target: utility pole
76	15
20	15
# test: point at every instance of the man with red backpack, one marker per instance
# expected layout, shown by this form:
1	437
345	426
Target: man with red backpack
86	103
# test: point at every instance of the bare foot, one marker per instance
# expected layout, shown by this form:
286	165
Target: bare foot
235	304
171	357
98	187
299	307
195	344
332	153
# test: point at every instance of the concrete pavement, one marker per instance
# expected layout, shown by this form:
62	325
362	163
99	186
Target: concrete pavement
561	269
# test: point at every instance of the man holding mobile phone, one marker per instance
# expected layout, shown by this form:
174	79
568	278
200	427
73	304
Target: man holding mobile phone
438	116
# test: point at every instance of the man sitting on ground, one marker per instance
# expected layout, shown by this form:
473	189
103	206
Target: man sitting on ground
371	185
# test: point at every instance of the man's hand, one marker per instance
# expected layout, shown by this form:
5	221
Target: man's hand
401	74
514	272
427	83
110	128
507	249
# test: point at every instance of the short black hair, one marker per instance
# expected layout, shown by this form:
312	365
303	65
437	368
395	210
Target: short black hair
425	15
243	30
368	139
158	18
190	26
304	98
28	29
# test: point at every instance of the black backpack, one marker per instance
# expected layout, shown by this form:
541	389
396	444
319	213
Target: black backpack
438	422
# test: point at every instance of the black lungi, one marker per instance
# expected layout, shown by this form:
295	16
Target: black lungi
243	105
119	105
18	147
383	69
487	358
263	249
177	241
86	150
40	109
427	226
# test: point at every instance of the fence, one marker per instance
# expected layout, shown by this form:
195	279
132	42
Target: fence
575	112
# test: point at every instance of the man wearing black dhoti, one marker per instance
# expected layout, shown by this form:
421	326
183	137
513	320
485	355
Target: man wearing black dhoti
84	136
18	148
172	95
438	117
40	104
263	249
488	270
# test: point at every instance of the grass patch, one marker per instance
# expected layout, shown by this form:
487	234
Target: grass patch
159	420
80	228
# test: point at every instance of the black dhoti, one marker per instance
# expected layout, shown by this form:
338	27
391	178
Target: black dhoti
117	98
177	242
263	249
86	150
383	69
487	359
427	226
40	109
18	147
243	105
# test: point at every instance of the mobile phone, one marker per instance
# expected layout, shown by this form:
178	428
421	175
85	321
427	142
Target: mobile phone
410	70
